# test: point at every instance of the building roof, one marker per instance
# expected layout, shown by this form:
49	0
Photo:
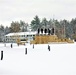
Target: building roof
22	33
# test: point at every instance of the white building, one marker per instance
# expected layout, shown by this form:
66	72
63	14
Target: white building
12	37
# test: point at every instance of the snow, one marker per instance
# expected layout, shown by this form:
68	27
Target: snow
60	60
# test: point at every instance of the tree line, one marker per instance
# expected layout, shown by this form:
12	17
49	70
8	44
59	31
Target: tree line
63	28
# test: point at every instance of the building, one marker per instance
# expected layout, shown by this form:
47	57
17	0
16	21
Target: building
12	37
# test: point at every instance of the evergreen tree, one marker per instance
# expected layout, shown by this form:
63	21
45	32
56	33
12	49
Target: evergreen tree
35	24
44	22
7	30
23	26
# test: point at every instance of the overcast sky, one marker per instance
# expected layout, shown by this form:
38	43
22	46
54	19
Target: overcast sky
16	10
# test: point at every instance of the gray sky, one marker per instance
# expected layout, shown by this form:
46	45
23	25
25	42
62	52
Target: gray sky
16	10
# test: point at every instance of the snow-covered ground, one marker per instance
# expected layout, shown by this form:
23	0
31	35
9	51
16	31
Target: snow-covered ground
60	60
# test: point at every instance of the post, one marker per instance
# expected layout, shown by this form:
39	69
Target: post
33	46
25	50
11	45
49	48
5	44
1	55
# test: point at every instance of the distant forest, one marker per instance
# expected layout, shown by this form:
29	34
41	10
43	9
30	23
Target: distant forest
62	28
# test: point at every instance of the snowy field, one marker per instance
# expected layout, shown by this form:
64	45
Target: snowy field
60	60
